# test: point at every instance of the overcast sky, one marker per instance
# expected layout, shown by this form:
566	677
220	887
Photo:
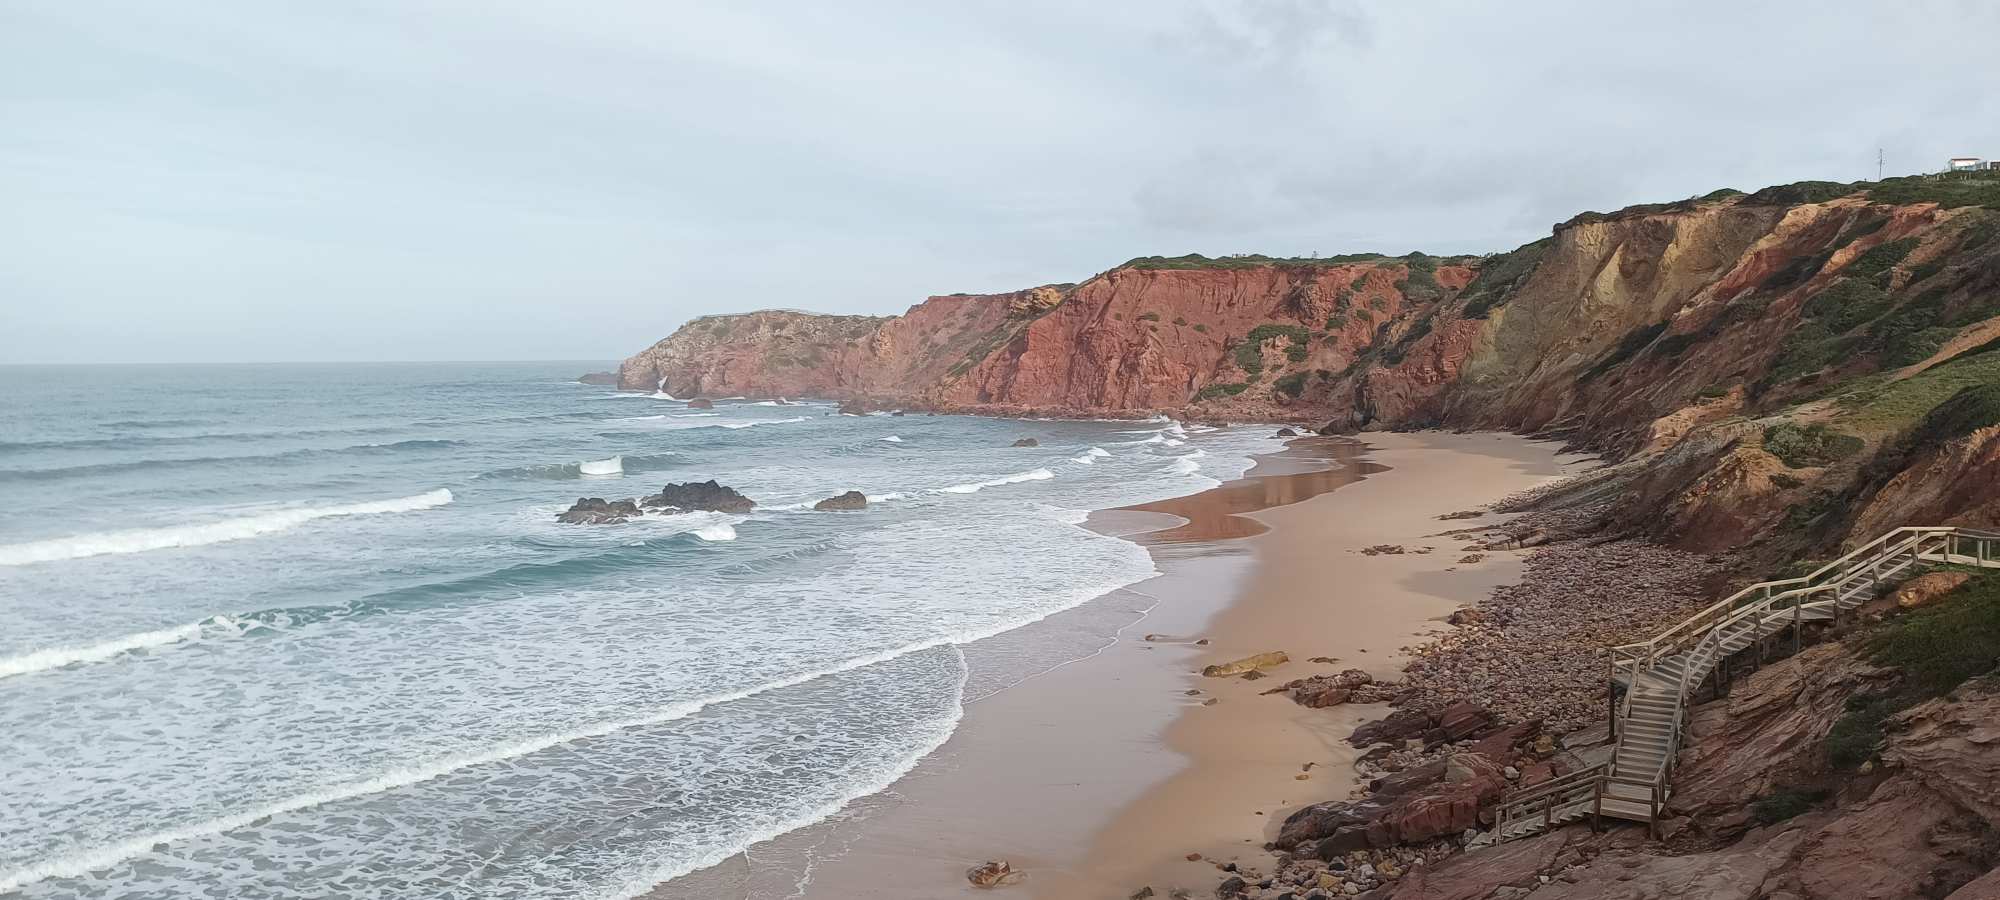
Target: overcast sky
245	180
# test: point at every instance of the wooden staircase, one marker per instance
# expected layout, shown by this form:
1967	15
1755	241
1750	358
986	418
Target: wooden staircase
1659	675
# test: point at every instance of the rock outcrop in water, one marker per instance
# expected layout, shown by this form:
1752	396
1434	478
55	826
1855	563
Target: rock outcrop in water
599	511
602	378
694	496
844	501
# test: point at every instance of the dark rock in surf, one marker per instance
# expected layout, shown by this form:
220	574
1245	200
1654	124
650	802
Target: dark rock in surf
598	511
609	379
699	495
701	403
1287	432
849	500
1027	442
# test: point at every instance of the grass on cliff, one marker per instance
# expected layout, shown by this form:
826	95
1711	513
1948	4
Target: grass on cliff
1972	189
1876	405
1936	648
1500	276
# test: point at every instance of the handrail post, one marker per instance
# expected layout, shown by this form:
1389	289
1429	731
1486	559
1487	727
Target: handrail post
1611	701
1799	631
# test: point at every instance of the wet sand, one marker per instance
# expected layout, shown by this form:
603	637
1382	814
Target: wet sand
1099	776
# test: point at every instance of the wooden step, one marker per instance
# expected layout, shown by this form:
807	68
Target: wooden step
1633	810
1627	791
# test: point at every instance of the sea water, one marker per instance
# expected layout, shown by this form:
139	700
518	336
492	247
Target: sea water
310	631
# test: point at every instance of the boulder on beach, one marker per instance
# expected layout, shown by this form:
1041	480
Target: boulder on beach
701	403
1521	540
1321	691
848	500
598	511
1268	660
609	379
700	495
992	874
1027	442
1287	432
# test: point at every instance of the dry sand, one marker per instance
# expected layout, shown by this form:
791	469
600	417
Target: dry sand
1099	776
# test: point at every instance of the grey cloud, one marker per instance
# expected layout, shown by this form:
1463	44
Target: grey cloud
444	179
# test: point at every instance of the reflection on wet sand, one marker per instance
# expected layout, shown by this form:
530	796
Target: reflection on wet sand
1299	473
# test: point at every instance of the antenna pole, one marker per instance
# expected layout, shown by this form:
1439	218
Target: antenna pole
1878	164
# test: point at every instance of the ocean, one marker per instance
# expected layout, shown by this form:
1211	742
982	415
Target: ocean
301	631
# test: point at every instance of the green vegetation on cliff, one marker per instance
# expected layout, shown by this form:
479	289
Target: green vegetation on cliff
1810	445
1245	261
1499	276
1936	648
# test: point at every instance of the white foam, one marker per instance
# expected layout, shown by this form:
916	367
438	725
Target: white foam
884	498
140	540
643	884
1184	466
893	439
1017	478
613	466
717	532
57	657
1091	457
84	861
1173	442
761	422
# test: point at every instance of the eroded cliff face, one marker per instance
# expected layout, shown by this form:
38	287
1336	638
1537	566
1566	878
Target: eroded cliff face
1683	331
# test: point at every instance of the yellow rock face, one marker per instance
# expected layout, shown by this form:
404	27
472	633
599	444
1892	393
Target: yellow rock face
1247	664
1925	588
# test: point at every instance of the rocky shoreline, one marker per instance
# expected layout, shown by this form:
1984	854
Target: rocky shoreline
1491	707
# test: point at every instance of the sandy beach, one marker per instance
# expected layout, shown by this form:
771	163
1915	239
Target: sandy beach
1101	775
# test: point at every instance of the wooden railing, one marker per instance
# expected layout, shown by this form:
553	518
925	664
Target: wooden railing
1701	638
1543	800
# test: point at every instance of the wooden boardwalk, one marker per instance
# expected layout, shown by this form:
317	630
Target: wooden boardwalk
1659	676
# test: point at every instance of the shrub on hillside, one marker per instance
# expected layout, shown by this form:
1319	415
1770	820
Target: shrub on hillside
1811	445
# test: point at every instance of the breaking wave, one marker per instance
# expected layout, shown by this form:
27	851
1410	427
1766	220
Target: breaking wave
140	540
57	657
1017	478
718	532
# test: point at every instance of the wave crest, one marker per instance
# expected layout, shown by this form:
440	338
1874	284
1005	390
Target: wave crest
140	540
1017	478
